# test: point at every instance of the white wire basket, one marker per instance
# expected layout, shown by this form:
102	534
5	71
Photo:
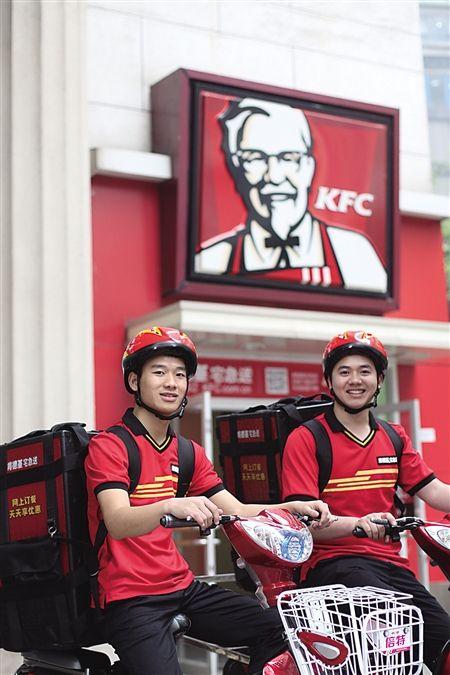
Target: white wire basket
352	631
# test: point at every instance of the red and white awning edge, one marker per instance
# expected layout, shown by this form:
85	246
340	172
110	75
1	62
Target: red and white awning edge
246	331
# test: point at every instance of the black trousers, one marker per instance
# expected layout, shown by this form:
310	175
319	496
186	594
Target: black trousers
364	571
139	628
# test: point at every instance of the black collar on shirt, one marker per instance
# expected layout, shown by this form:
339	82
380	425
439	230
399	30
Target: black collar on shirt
137	428
336	425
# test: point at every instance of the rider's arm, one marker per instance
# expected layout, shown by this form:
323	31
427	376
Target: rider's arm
436	494
343	526
123	520
229	504
300	474
108	479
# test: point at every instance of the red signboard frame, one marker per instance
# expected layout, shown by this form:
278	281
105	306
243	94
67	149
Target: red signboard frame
178	129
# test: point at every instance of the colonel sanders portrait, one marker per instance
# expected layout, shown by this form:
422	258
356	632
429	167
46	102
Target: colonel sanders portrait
269	152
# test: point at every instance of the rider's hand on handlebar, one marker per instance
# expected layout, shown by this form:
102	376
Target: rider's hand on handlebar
372	530
200	509
316	509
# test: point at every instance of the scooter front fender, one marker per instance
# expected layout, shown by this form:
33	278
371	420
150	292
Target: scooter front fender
283	664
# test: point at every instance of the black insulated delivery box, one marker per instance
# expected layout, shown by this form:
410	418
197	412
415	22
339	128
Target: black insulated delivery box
44	540
251	445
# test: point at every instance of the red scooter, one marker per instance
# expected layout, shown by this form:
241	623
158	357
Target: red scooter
271	546
329	630
433	538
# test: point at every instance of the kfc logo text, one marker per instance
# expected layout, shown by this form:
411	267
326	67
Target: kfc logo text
334	199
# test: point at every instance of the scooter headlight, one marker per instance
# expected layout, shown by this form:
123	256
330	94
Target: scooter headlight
440	534
287	544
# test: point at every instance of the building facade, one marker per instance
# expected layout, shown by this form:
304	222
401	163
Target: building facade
84	248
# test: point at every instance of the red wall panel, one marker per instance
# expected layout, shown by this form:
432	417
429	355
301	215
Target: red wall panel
423	293
430	383
126	262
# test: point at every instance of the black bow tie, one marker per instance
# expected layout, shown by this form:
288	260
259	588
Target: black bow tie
274	240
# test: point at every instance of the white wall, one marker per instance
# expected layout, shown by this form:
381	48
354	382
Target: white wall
362	50
46	350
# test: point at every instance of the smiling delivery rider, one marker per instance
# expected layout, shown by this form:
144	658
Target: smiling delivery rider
365	470
143	579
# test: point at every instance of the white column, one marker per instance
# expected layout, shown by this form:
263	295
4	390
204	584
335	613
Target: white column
46	283
393	389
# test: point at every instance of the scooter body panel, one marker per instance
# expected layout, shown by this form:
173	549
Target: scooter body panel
434	539
283	664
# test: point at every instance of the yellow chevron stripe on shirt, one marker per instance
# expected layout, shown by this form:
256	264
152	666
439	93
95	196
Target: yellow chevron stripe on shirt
362	486
372	471
144	486
349	480
152	491
363	476
358	483
162	493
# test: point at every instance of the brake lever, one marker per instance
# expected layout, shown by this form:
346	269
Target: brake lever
306	520
392	531
223	521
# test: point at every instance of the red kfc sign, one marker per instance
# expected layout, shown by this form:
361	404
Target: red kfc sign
280	191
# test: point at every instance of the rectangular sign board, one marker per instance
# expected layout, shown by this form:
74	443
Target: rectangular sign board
279	197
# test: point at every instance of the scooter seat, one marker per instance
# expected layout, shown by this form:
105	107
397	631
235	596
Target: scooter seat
67	661
78	660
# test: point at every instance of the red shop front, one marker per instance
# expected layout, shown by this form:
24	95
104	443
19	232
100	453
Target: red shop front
215	245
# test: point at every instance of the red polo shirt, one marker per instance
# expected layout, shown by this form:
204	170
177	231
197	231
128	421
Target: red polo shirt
149	564
363	479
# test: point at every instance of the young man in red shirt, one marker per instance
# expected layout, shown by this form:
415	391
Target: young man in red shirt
143	579
364	473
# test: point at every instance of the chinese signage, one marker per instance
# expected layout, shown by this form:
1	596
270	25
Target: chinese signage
287	191
24	506
27	503
225	377
22	463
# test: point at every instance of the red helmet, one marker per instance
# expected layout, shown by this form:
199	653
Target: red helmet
354	342
151	340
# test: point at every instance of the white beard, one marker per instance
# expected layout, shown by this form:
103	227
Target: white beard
285	215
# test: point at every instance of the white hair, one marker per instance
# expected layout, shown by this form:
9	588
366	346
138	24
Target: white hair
239	111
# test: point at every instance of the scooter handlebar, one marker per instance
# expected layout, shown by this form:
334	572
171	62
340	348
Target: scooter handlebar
393	531
172	522
359	532
390	530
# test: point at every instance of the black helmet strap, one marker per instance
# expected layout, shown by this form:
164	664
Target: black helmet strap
179	412
355	411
